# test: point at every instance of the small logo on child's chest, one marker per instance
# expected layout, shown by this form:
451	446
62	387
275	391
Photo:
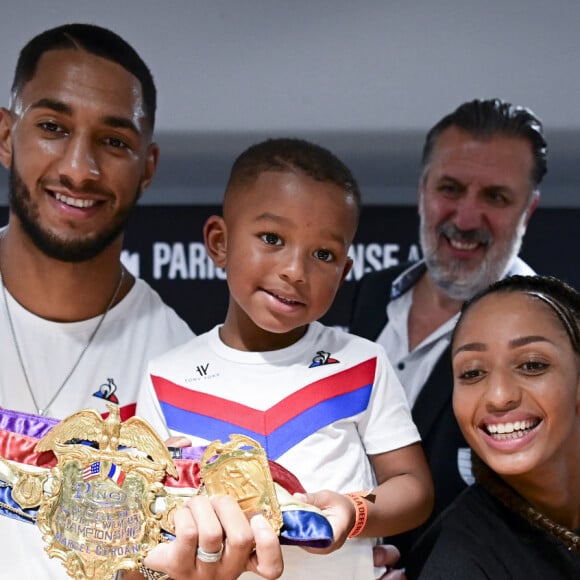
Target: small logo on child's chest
323	358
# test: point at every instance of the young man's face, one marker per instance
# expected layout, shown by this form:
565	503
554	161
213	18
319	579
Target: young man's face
474	204
78	146
287	242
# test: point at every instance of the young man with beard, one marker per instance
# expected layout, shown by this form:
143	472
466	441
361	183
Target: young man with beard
77	329
482	166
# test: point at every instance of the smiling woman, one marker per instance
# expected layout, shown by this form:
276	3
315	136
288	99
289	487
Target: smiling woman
516	367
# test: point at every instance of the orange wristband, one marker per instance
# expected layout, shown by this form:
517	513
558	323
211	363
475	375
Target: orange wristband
362	512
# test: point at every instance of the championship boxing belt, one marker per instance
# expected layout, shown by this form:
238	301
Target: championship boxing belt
103	492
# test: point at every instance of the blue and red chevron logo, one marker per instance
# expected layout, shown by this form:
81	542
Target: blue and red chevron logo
278	428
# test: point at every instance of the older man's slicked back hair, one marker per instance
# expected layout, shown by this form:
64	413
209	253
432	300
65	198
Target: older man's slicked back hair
487	118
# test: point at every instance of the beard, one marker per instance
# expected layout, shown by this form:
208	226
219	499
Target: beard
461	279
58	248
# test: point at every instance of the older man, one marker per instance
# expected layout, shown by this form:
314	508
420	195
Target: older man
482	166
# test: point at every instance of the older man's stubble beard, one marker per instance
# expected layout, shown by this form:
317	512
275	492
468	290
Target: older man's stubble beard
460	279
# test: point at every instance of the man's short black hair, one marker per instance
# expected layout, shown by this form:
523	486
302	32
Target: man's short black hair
94	40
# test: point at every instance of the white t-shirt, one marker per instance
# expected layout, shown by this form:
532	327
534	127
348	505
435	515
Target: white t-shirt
137	329
318	407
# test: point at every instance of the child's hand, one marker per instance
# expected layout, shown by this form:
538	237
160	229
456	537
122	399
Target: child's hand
340	513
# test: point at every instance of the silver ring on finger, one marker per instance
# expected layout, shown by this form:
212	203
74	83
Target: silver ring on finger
210	557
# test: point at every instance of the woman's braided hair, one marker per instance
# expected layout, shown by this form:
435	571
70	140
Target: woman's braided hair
506	495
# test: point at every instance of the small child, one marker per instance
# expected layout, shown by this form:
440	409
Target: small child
324	404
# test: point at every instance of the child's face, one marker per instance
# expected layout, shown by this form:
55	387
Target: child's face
287	237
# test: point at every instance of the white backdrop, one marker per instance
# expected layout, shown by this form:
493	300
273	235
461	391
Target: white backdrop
367	78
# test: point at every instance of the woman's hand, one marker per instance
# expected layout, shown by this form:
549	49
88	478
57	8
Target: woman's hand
214	525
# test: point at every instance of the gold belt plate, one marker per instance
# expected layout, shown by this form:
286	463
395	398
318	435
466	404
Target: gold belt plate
104	505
